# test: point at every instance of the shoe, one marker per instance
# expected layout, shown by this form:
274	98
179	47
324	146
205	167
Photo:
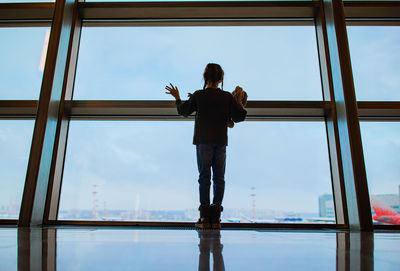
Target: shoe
204	220
215	216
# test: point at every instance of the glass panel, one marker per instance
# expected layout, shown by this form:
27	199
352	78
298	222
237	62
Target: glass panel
270	63
375	57
381	146
23	52
15	140
146	170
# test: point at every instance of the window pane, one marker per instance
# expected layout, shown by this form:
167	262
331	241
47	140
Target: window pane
15	140
375	57
381	145
269	62
23	52
146	170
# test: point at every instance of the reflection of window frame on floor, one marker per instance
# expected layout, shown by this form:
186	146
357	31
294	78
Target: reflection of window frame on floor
339	109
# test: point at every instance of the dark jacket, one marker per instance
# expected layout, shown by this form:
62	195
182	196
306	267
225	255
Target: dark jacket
214	108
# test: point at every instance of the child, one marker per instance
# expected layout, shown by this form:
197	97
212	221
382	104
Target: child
214	108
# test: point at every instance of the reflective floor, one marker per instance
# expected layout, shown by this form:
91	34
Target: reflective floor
179	249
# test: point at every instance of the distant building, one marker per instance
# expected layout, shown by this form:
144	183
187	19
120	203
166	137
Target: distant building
326	206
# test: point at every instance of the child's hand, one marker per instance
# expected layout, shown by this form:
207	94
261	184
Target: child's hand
173	90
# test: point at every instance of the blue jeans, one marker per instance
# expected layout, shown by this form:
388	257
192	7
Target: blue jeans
211	156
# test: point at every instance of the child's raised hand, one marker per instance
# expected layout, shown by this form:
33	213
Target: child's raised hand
173	90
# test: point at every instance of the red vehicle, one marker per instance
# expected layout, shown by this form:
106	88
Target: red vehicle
384	213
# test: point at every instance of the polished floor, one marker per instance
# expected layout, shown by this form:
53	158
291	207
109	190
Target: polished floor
72	248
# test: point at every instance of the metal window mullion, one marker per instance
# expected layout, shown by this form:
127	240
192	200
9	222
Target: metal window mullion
331	124
348	133
45	135
53	199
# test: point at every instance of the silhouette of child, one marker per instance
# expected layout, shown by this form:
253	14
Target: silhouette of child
214	108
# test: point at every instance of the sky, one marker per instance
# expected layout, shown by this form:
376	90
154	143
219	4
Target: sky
137	63
145	161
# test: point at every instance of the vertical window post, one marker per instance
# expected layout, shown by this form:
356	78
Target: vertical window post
46	131
347	158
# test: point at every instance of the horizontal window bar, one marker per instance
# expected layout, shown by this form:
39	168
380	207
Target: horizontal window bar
386	227
20	108
162	110
167	109
203	10
372	22
379	110
198	22
26	11
371	9
101	12
8	222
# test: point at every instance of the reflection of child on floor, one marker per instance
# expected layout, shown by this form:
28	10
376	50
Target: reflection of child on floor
241	97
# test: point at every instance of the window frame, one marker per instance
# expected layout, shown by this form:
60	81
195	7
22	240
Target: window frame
74	15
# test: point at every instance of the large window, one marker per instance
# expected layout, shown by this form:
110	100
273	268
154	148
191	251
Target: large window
128	156
136	170
135	63
147	171
382	152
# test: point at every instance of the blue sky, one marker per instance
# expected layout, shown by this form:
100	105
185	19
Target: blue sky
287	162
